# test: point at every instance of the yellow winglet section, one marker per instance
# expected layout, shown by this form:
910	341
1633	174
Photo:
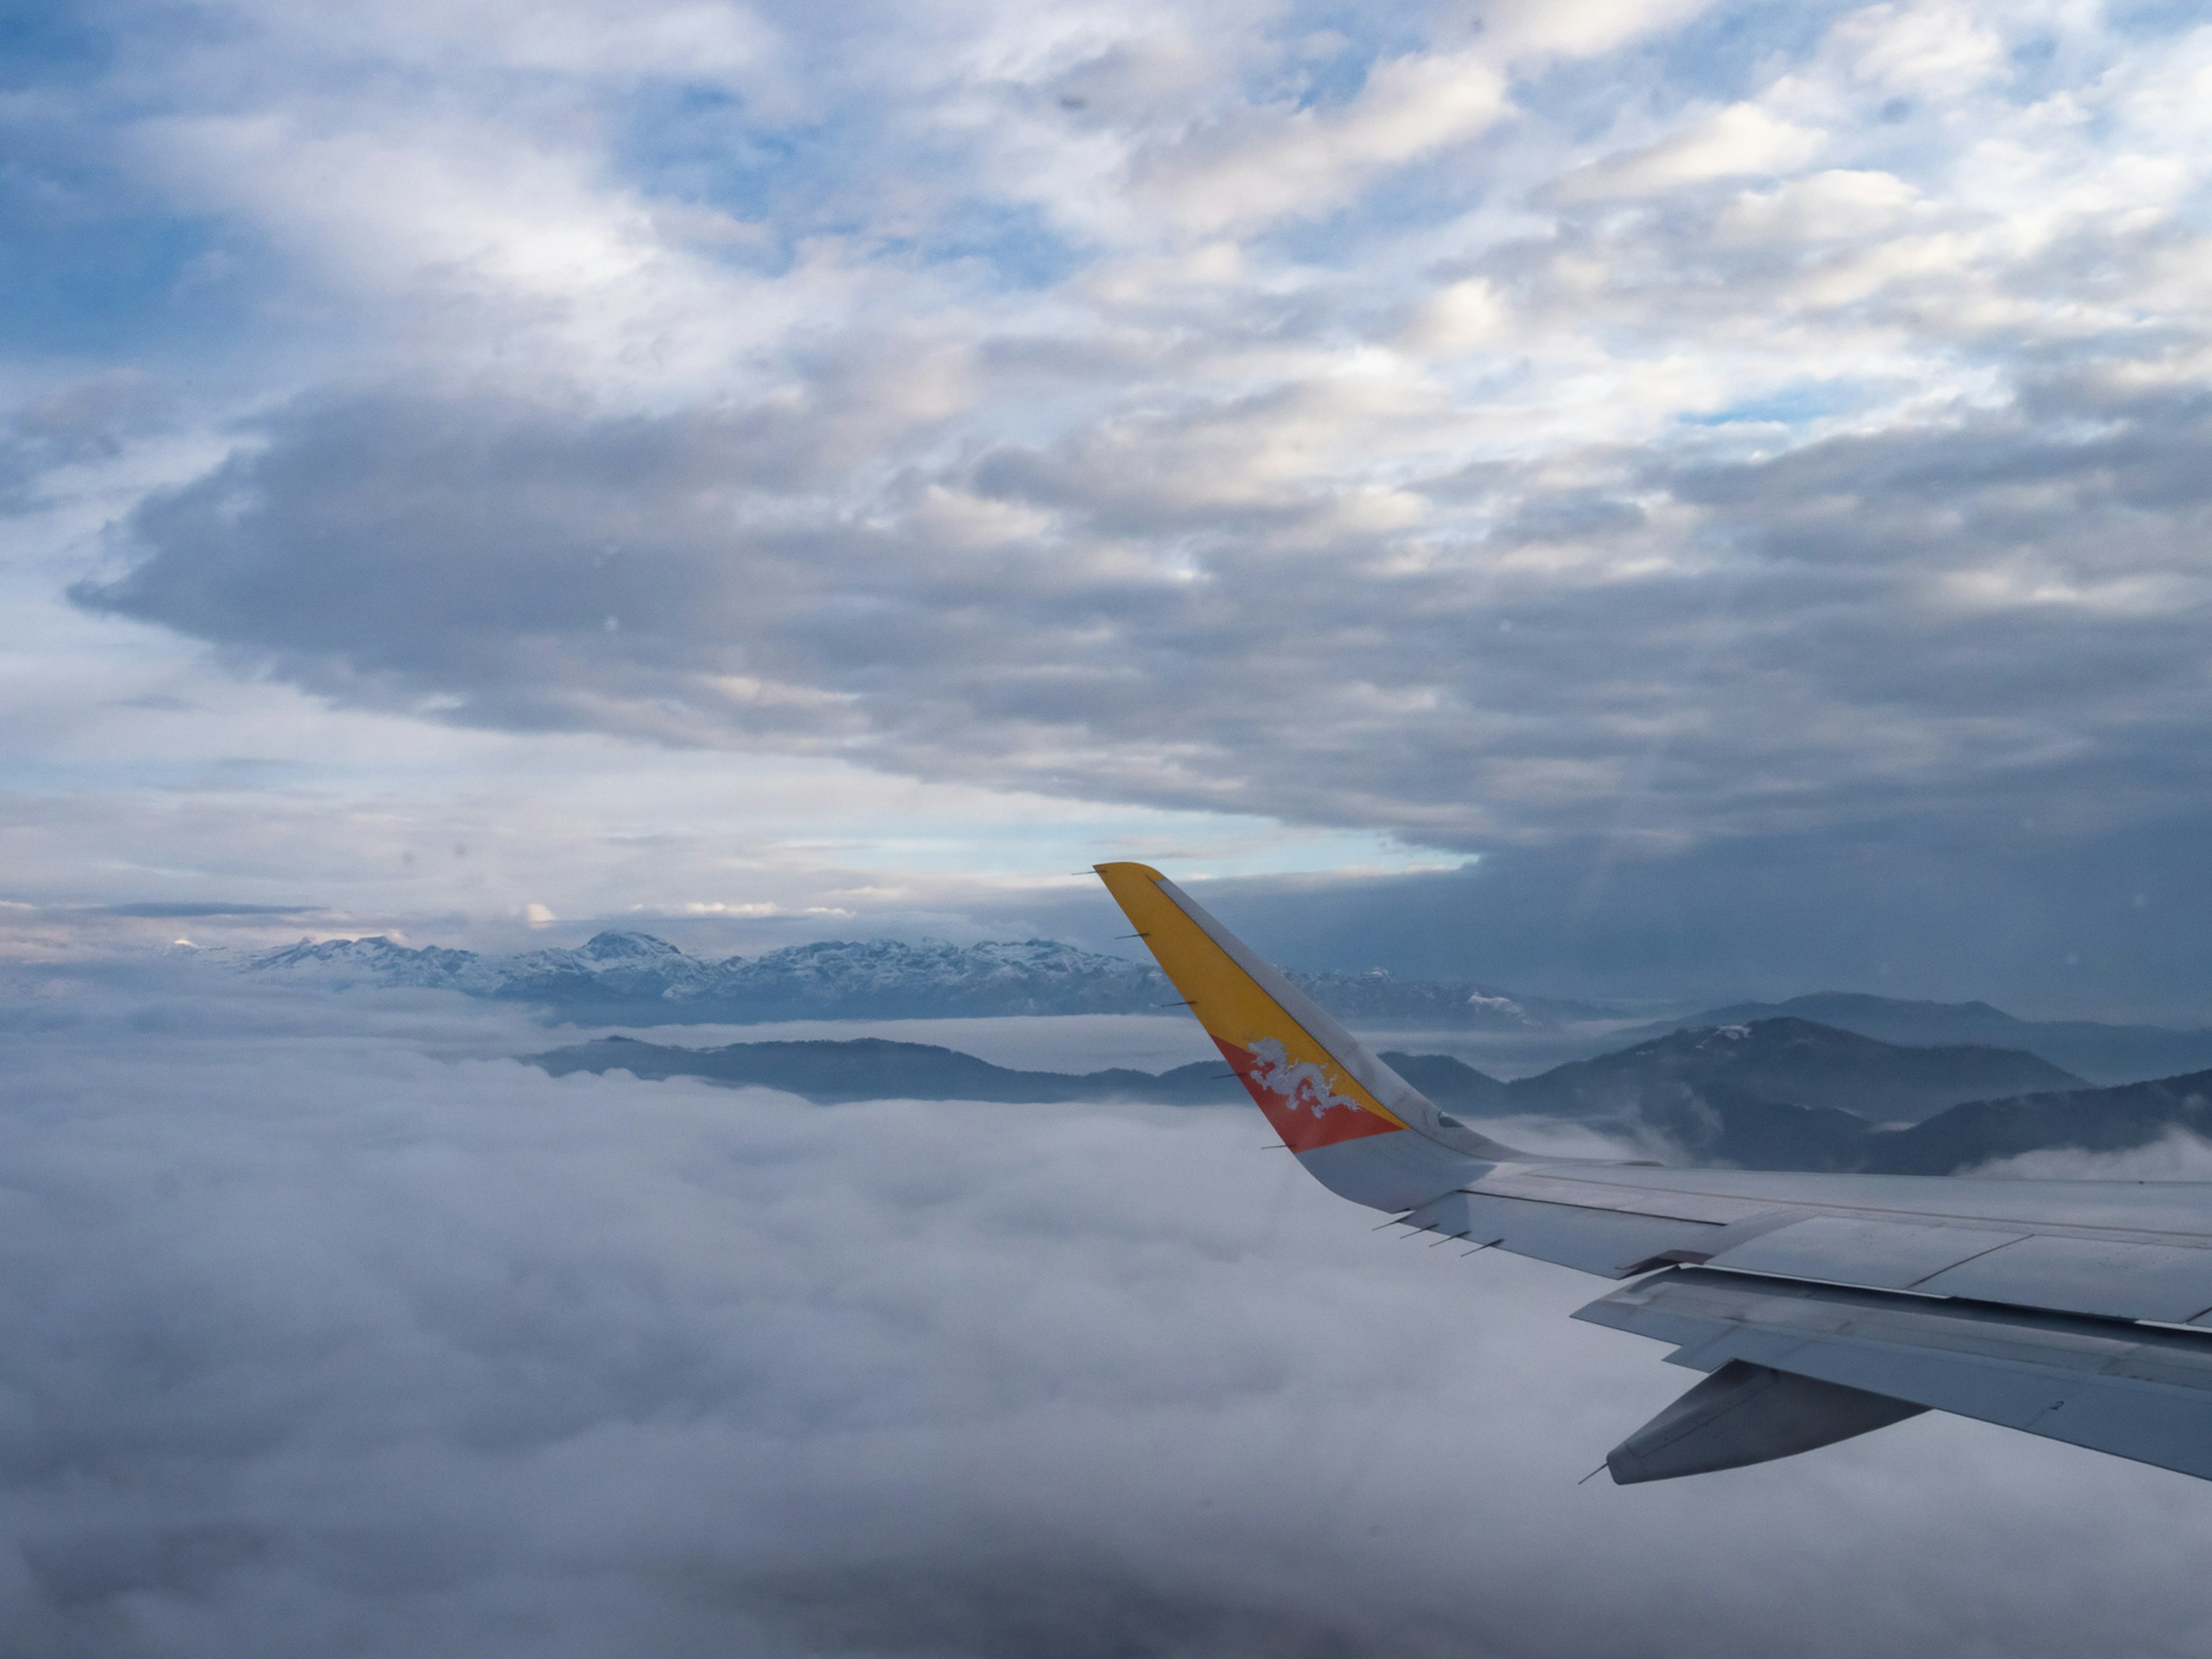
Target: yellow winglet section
1315	1082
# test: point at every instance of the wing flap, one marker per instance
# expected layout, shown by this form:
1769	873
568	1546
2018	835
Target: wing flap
2131	1390
1604	1241
2018	1242
1853	1251
2086	1275
1552	1187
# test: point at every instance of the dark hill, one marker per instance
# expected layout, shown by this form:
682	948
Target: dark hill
1756	1135
2100	1053
1781	1061
1714	1121
2091	1120
1452	1084
870	1068
1761	1135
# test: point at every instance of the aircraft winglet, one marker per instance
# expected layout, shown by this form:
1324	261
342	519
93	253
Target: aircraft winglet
1363	1130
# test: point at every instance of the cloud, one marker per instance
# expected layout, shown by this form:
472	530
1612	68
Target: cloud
1617	427
2175	1156
1742	139
157	909
1991	609
326	1335
1306	161
1702	506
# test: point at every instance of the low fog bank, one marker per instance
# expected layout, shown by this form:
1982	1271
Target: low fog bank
319	1340
2176	1156
176	992
1146	1043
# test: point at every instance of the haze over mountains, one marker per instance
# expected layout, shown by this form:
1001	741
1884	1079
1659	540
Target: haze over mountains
629	978
1780	1094
835	1072
1831	1081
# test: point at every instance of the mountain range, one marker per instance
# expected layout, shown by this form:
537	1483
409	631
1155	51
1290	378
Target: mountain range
1696	1096
635	979
628	978
1787	1059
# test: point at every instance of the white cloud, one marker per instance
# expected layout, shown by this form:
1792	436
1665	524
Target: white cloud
1579	28
1209	411
1741	139
1457	317
1839	206
1306	161
1937	47
322	1335
2176	1156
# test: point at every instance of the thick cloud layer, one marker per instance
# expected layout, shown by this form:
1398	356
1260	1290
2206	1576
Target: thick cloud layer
326	1344
1995	617
1661	423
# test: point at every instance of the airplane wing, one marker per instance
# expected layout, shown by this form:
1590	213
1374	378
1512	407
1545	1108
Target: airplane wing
1818	1306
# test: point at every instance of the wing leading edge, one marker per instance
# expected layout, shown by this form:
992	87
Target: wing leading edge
1819	1307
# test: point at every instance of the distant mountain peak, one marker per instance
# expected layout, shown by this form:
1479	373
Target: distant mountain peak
615	945
1785	1061
2103	1052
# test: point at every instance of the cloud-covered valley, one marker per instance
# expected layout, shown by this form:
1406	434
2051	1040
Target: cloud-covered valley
330	1327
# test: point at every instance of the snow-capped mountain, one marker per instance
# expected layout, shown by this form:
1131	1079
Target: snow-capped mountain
631	978
624	976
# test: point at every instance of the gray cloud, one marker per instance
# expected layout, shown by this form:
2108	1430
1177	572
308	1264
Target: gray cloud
1719	455
1752	436
159	910
2036	916
1993	613
323	1340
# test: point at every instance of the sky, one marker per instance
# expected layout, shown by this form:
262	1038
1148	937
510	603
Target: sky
334	1329
1663	500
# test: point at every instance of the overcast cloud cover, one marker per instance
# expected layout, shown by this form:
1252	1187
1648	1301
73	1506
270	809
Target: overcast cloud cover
330	1330
847	466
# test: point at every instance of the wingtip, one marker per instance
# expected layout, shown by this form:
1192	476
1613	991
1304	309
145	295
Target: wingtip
1107	871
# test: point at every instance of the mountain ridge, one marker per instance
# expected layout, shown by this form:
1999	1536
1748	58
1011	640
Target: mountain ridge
1714	1120
1787	1061
2102	1053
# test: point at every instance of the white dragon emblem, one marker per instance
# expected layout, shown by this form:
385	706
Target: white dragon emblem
1301	1085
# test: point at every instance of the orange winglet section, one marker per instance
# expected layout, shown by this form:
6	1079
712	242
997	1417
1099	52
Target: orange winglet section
1306	1093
